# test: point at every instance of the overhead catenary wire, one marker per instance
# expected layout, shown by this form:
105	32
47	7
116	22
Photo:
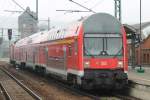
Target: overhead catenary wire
99	2
83	6
86	1
35	18
73	11
13	11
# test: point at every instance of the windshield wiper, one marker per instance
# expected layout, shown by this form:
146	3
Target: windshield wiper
118	52
88	53
103	53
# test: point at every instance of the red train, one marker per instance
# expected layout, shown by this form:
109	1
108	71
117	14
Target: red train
92	52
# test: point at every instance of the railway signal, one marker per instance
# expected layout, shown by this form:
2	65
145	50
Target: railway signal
9	34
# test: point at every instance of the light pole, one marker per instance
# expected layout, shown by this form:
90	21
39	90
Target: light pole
118	9
140	51
140	36
37	10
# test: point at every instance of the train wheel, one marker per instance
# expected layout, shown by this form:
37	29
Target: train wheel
72	80
14	64
37	69
119	84
40	70
75	83
43	71
22	65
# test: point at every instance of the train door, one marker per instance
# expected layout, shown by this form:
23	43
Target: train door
72	56
20	54
42	56
65	57
46	55
34	55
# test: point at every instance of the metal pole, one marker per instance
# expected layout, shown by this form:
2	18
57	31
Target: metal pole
140	51
118	9
120	17
115	9
9	51
48	23
37	10
2	32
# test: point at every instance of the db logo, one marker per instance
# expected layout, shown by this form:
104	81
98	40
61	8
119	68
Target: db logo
103	63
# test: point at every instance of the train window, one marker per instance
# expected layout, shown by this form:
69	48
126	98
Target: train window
76	46
56	36
144	60
69	50
58	31
53	37
46	49
77	30
61	36
148	58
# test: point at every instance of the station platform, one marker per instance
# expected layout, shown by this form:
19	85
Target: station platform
140	78
4	59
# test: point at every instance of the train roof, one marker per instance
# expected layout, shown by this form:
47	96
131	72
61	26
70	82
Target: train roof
101	23
96	23
50	35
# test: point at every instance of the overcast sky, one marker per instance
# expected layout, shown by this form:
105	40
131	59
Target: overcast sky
47	8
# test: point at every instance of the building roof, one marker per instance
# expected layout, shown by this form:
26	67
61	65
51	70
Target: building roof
143	25
28	13
129	28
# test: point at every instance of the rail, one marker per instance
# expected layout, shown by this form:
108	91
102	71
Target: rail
22	85
93	95
7	96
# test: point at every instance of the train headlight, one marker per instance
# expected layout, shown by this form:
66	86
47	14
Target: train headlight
86	64
120	64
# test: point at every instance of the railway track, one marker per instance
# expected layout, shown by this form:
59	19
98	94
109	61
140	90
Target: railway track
92	95
13	89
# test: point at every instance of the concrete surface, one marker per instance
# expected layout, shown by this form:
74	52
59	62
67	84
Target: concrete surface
141	78
4	59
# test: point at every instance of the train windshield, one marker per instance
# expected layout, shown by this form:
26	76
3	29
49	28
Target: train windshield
102	36
103	46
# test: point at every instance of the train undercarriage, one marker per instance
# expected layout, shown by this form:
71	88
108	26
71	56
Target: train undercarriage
92	79
107	79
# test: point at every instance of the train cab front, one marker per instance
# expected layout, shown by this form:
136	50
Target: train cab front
104	73
104	53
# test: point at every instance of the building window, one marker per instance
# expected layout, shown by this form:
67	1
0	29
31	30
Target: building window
136	57
144	59
148	59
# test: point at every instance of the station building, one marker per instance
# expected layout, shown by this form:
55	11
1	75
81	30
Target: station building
139	44
27	23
